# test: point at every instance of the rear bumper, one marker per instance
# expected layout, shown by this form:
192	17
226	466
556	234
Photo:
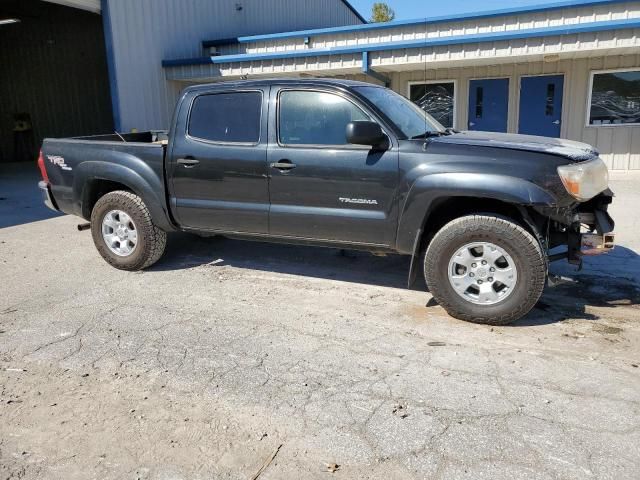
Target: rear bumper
47	198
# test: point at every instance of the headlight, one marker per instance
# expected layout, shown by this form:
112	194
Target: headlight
585	180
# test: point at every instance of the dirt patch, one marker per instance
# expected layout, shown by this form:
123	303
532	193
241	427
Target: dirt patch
608	330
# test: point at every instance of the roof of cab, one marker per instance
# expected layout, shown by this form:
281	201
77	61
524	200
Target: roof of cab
335	82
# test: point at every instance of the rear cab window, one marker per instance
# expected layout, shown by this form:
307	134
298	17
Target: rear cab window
227	117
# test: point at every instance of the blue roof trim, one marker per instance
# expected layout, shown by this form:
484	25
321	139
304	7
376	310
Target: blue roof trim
430	42
431	20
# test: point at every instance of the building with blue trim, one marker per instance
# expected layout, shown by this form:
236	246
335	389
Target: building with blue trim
568	69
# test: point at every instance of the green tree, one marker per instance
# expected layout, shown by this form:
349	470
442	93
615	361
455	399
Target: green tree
381	12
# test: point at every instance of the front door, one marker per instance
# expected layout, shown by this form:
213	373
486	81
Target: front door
489	104
541	105
218	162
322	188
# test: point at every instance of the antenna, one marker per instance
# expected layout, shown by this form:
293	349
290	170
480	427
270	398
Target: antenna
424	54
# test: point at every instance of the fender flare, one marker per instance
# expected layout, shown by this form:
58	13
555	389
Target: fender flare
142	181
430	189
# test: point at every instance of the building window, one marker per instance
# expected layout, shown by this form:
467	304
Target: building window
615	98
227	117
437	99
315	118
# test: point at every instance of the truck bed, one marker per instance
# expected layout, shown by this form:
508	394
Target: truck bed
77	166
152	136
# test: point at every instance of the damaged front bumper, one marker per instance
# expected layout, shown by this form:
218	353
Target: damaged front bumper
586	229
591	232
595	244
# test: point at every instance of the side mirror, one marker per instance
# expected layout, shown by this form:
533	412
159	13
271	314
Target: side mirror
366	133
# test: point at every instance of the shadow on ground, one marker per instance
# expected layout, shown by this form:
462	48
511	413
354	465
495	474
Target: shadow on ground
20	199
599	285
188	251
605	282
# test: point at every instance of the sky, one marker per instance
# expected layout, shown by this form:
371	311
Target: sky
408	9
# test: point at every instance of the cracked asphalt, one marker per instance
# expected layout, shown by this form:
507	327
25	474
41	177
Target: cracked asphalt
202	366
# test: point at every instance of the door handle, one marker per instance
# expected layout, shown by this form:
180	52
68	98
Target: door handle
557	122
284	164
188	162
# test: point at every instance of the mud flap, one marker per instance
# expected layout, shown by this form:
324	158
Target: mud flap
541	240
415	259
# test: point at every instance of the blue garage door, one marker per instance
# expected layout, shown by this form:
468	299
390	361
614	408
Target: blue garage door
489	104
541	105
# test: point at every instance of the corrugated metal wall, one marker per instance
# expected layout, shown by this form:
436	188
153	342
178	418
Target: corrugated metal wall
52	66
145	32
619	145
503	23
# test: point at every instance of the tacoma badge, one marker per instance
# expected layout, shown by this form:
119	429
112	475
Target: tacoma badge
359	201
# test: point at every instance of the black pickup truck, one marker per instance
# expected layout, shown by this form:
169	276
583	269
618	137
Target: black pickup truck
342	164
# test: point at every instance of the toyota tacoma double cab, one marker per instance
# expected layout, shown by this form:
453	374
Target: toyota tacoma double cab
342	164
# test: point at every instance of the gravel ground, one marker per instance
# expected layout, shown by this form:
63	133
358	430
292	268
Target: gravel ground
228	352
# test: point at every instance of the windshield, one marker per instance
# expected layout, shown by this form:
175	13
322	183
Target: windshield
410	119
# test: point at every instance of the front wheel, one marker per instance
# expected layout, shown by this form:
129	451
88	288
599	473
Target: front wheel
485	269
124	233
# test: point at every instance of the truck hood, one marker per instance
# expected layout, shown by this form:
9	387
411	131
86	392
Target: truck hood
575	151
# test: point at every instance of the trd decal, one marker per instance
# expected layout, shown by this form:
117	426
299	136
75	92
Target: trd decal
59	161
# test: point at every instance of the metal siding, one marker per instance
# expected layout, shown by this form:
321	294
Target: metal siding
619	146
471	26
54	68
146	31
578	54
389	59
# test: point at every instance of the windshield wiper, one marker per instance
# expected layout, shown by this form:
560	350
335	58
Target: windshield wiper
436	133
428	134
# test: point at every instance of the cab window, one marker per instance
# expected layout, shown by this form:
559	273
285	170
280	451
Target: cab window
232	117
315	118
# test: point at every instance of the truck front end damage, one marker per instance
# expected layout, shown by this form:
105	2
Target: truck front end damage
585	229
582	224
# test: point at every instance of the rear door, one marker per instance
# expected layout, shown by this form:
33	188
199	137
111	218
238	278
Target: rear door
541	105
217	166
489	104
321	187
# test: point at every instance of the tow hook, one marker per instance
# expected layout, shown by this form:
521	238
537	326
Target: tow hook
83	226
596	244
557	280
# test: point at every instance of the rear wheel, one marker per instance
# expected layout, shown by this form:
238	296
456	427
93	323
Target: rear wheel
485	269
124	233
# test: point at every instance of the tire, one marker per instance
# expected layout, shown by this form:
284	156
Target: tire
486	300
150	241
